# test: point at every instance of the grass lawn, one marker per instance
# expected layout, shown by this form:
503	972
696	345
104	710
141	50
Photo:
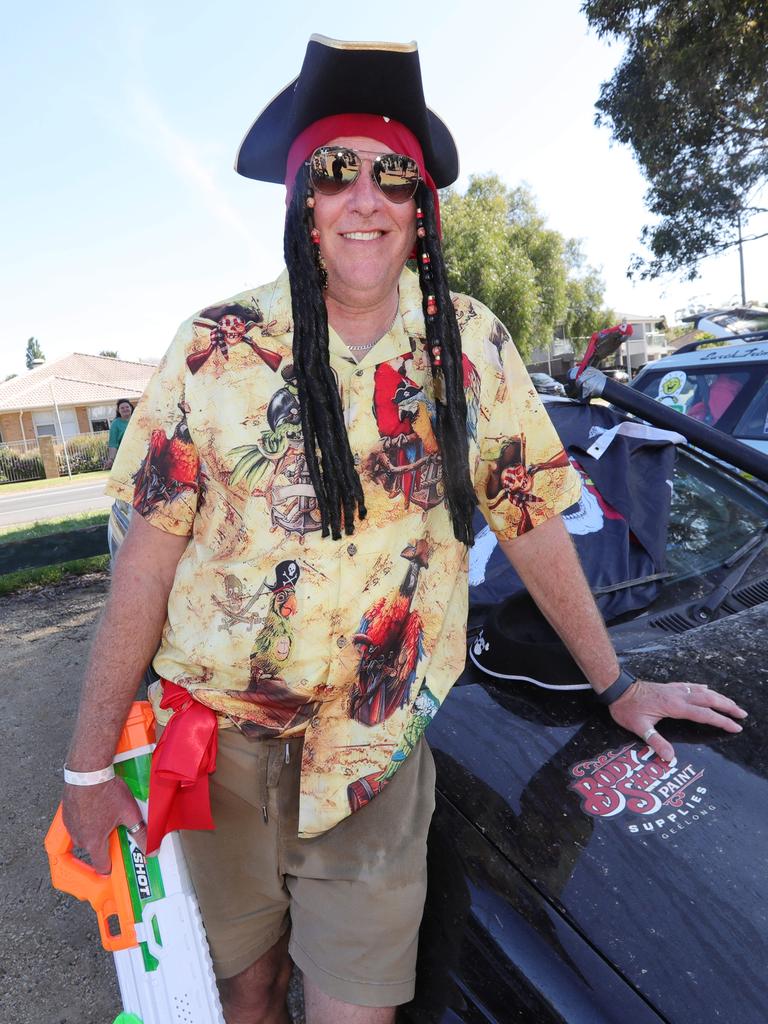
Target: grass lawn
14	581
42	529
51	574
56	481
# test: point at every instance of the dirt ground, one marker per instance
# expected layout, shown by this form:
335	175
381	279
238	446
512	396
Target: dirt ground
53	969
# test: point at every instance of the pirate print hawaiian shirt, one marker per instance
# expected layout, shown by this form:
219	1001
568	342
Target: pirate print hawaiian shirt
354	643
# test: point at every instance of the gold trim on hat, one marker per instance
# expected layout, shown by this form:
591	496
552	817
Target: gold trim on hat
345	44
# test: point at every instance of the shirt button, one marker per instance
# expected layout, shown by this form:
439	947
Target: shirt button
352	550
359	373
341	641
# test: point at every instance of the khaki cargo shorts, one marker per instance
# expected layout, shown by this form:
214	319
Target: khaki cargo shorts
352	897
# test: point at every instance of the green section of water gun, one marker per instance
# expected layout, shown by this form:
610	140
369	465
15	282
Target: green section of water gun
128	1018
135	771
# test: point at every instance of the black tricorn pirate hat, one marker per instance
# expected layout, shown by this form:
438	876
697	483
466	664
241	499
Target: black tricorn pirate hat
339	77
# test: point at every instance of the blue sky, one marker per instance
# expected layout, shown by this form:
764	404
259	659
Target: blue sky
121	213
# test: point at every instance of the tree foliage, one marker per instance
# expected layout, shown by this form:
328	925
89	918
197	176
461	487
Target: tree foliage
109	352
584	313
499	250
691	98
33	352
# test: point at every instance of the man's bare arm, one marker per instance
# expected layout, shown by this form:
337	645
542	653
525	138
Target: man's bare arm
126	640
547	563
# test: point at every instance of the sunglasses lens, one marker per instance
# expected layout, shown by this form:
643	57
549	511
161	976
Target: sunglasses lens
397	176
331	170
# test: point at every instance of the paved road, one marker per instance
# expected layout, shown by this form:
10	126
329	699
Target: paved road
52	503
52	967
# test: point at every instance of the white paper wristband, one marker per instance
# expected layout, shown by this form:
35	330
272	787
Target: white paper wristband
89	778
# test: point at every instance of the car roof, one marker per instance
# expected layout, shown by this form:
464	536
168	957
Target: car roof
726	354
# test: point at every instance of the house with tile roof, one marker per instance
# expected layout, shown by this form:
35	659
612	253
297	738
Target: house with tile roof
76	394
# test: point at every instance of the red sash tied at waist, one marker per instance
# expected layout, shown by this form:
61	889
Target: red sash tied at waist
183	759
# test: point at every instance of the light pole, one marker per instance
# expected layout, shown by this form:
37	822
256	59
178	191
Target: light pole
741	260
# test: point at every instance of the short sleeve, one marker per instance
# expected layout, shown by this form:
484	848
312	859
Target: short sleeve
523	476
157	467
114	440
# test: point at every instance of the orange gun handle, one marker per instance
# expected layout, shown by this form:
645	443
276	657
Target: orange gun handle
107	894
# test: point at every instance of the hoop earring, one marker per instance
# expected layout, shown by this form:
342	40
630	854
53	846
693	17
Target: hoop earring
314	237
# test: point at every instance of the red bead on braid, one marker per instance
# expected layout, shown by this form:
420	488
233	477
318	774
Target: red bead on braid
431	305
314	234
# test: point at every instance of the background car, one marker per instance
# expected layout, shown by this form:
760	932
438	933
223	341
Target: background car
573	877
722	383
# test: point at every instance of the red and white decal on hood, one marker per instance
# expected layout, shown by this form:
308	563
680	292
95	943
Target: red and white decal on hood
635	782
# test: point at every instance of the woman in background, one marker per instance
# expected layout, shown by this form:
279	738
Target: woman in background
117	429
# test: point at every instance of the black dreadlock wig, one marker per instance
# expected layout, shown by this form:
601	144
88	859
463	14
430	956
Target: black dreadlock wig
334	477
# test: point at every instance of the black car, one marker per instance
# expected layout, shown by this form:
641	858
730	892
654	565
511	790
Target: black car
573	876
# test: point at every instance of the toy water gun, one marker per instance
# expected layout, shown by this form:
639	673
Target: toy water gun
146	908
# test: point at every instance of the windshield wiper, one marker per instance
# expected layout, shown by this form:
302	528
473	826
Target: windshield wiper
738	562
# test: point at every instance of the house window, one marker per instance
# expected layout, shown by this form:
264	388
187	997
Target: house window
45	422
101	416
45	429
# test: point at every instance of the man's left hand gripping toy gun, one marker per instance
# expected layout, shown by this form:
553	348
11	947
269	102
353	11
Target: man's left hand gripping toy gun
147	909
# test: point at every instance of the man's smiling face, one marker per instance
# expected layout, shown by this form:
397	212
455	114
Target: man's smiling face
365	239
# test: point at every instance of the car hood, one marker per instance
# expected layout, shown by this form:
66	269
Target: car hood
663	874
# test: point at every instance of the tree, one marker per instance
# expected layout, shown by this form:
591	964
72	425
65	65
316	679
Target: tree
33	352
585	312
108	352
691	98
10	377
499	249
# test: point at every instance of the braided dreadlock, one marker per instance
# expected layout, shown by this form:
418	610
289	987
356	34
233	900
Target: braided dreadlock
334	477
444	336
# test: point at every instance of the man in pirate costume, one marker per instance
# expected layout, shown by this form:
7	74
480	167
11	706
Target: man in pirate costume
313	846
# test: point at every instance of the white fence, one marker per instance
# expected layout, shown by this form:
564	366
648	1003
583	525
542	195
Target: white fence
21	460
83	453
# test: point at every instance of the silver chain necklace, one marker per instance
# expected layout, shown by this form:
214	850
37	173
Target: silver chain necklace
369	344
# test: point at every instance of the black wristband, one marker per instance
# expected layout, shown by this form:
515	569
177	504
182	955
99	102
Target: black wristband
617	688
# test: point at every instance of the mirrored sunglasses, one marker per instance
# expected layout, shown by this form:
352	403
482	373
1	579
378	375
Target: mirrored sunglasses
332	169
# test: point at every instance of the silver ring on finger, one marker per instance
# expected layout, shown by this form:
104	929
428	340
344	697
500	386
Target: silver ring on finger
687	691
648	733
133	829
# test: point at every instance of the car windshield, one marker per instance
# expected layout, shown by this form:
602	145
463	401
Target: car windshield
703	394
711	516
